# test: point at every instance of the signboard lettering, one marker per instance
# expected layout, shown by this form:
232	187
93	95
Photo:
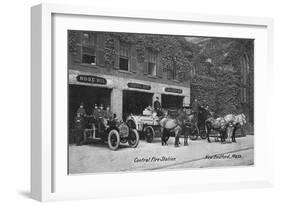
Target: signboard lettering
173	90
139	86
91	79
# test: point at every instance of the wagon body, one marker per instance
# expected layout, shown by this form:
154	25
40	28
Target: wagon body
148	125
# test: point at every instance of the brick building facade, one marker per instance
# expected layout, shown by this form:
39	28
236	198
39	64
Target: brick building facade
104	69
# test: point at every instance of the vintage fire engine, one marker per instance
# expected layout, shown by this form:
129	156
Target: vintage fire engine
147	124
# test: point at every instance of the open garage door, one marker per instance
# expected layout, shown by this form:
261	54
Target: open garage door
135	102
89	96
169	101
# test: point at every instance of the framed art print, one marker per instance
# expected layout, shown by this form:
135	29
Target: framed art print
124	100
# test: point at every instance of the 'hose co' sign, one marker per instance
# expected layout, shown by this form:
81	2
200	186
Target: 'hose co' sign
173	90
91	79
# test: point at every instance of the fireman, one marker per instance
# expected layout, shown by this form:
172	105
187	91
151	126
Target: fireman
79	125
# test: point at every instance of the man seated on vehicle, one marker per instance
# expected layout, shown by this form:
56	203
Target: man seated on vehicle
157	107
108	113
95	111
102	118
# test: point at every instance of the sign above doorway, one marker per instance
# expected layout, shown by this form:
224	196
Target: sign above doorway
91	79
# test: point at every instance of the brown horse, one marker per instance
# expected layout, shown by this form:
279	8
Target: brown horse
181	124
219	125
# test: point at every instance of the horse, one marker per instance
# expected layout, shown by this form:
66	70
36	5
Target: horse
180	125
172	125
219	125
235	121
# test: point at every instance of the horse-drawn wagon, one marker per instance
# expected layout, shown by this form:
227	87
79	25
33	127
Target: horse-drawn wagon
149	126
111	131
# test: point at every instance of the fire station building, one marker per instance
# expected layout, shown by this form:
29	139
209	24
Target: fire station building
128	86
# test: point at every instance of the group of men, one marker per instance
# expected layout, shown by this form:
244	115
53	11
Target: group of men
97	113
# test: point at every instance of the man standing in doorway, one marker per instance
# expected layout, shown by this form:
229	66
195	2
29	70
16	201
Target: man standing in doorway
81	110
195	110
157	106
79	128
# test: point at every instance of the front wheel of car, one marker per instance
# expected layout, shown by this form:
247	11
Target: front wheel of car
133	138
113	139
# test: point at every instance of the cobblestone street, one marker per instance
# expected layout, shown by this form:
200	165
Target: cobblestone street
97	157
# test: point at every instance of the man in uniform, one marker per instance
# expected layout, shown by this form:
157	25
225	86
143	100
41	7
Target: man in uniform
157	107
81	110
157	104
195	110
108	113
100	118
79	128
95	111
101	111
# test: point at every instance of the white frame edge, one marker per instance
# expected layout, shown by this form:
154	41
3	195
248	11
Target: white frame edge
41	76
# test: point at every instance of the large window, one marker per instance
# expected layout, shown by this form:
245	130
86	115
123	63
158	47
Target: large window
152	59
124	57
124	63
88	48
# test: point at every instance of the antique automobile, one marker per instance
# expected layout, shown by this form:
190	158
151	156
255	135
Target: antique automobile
113	132
146	124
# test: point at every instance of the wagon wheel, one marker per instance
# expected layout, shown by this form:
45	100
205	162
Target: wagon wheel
133	138
194	133
203	134
149	134
113	139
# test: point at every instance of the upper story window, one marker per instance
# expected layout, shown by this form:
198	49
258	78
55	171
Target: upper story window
124	56
152	60
174	69
88	48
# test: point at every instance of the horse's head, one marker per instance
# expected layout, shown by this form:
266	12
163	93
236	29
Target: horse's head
241	119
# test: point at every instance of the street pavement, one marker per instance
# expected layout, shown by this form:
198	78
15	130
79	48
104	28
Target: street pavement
97	157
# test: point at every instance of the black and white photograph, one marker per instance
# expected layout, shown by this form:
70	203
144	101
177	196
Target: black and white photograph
141	102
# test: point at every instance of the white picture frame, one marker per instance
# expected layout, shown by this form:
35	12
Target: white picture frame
49	180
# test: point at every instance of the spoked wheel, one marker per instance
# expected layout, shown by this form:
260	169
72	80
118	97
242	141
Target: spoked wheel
133	138
194	133
113	140
149	134
203	134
